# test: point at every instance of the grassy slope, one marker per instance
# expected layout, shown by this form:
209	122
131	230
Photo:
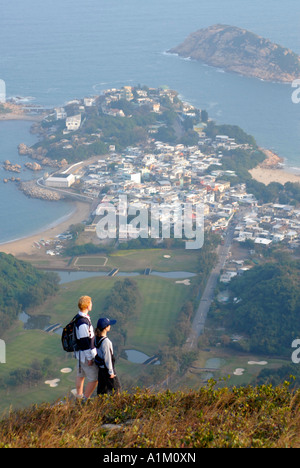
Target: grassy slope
226	418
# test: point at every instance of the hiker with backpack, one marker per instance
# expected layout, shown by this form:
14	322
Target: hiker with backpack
86	351
108	381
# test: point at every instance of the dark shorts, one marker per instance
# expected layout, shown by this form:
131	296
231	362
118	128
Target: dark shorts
106	384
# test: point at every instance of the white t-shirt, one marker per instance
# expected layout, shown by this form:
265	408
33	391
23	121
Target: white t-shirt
86	338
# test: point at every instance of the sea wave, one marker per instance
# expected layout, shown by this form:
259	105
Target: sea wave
22	99
293	169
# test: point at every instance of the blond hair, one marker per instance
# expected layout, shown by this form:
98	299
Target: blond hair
84	302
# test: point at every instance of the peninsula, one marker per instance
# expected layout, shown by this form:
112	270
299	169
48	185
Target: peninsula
240	51
153	147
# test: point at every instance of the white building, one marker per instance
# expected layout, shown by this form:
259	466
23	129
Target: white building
60	181
262	241
136	178
60	113
89	102
73	123
227	276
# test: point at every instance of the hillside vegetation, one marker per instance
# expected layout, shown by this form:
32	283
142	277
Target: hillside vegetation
267	306
21	287
256	417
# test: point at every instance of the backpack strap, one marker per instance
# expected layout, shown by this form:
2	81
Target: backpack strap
99	341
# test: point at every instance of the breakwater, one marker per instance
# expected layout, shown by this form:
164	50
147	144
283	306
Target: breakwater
32	190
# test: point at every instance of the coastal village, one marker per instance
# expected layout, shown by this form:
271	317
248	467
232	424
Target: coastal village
158	172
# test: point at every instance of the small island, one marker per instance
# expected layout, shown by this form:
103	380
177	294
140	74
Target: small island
240	51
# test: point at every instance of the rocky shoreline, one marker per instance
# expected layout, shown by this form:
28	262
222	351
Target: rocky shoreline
272	161
39	154
30	188
10	167
11	179
33	166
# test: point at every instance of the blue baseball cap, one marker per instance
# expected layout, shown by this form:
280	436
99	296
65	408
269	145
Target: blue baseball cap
105	322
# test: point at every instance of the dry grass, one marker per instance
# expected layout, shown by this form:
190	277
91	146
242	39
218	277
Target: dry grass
239	417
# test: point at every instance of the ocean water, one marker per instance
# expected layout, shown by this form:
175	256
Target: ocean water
19	215
57	50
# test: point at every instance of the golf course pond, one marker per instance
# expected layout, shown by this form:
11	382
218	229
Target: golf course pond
69	276
43	322
137	357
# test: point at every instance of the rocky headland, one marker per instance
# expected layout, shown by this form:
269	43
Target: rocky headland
33	166
272	161
238	50
39	154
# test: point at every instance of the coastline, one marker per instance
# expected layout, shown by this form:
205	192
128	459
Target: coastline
266	173
21	116
24	246
266	176
273	169
80	212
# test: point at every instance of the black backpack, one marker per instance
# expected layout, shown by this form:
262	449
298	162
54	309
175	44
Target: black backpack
68	337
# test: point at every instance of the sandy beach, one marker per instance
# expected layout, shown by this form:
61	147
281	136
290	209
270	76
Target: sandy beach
24	246
266	176
268	171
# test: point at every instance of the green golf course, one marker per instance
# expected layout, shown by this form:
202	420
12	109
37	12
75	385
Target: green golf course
161	301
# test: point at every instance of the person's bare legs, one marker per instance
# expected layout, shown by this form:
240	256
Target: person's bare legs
79	386
91	386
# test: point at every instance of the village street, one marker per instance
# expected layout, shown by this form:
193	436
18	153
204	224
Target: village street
208	294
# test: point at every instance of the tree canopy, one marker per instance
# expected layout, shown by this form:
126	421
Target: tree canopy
21	286
268	308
